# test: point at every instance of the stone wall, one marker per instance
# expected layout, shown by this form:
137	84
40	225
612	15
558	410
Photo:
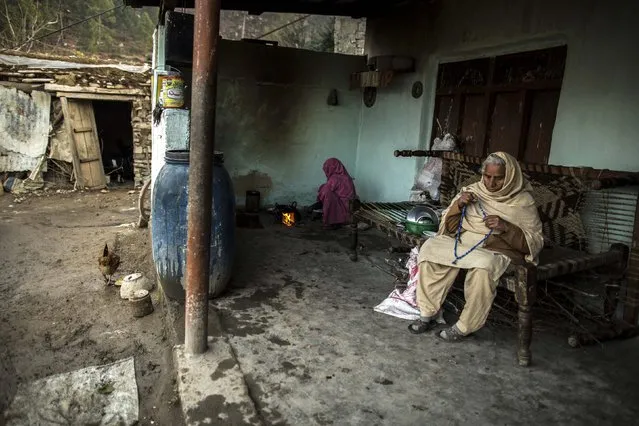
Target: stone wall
141	123
108	81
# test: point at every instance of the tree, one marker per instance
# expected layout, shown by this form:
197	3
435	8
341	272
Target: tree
22	21
122	31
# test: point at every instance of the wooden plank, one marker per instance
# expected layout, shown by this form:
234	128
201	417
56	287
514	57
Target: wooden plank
24	87
459	112
434	127
446	115
10	74
489	102
101	90
525	102
473	126
38	80
513	87
97	97
543	112
505	126
96	166
86	143
68	122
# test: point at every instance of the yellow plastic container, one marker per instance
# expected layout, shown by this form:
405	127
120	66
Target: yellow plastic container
171	88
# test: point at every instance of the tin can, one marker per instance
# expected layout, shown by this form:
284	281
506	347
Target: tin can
171	88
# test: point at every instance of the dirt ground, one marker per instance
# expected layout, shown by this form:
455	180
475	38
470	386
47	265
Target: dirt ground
57	315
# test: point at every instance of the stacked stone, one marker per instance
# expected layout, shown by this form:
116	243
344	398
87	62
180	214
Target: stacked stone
141	123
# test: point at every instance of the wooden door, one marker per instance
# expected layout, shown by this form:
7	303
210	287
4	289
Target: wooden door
85	145
501	103
506	123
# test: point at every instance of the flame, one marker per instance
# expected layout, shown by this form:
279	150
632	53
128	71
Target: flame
288	219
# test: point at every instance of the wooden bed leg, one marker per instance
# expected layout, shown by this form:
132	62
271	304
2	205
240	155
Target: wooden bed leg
524	355
619	270
353	206
525	294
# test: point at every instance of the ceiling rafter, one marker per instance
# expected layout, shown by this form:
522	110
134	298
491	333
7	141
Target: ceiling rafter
352	8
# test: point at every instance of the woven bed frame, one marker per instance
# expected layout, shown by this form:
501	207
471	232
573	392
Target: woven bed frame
559	193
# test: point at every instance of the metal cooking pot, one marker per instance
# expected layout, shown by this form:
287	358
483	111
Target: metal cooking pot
421	214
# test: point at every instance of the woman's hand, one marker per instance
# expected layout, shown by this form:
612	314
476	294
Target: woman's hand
496	223
466	198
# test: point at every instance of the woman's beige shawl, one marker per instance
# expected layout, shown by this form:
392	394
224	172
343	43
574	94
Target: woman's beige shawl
513	203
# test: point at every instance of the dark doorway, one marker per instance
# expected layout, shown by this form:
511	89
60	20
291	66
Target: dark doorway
113	122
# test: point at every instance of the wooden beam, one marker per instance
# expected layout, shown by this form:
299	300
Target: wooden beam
502	88
96	97
100	90
489	100
353	8
10	74
24	87
38	80
526	105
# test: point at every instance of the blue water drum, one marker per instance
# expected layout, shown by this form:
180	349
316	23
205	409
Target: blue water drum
169	224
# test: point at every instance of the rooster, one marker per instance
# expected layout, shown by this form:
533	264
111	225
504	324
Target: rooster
108	263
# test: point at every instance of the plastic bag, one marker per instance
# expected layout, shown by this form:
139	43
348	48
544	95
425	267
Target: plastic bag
404	304
430	177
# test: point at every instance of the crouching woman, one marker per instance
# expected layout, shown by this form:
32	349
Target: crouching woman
335	194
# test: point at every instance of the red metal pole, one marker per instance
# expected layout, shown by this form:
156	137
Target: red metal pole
203	96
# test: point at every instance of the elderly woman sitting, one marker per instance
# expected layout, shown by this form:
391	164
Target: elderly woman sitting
488	225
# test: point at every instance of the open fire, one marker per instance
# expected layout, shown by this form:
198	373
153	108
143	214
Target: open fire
288	218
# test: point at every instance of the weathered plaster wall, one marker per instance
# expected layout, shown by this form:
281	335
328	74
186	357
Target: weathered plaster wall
596	119
170	133
24	128
393	122
273	122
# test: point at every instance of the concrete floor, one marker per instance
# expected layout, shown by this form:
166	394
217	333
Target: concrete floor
299	319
